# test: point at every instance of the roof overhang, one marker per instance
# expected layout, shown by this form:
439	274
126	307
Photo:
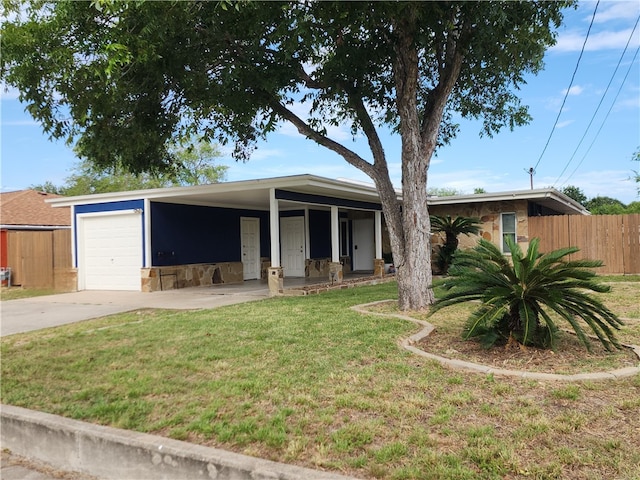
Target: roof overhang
547	197
256	194
249	194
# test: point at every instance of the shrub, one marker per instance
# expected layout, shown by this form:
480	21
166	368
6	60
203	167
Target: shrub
519	295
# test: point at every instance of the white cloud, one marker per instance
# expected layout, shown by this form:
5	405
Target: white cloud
566	123
266	154
574	90
20	123
8	93
606	40
616	10
627	103
468	180
605	183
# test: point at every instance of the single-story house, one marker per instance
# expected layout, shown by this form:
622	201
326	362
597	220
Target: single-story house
34	239
267	229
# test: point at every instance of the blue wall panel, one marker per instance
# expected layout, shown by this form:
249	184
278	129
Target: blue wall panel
182	234
109	206
319	233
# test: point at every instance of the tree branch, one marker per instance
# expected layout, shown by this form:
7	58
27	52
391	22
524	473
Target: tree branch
448	76
369	129
308	81
304	129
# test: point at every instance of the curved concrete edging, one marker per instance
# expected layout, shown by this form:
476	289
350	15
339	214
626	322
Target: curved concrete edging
112	453
428	328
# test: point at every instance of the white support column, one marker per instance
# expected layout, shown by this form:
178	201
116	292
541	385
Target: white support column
274	228
335	235
74	238
378	233
307	235
147	234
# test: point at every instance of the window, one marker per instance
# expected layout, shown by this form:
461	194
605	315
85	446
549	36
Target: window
508	228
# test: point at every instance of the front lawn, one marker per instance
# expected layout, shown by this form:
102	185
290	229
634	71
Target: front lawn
306	380
14	293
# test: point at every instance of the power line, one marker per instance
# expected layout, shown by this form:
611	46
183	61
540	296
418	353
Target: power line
568	89
600	103
606	116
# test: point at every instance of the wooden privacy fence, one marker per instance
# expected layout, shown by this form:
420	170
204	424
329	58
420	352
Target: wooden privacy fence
614	239
35	257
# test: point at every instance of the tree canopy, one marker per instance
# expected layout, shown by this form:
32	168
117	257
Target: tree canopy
575	193
600	205
194	166
122	79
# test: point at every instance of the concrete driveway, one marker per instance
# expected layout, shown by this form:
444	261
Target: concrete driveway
35	313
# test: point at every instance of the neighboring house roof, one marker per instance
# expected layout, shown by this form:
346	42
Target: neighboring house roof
28	209
547	197
255	194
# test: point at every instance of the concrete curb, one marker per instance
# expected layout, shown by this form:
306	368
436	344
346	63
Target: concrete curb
408	343
111	453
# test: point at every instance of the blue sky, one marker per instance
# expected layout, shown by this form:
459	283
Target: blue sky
600	165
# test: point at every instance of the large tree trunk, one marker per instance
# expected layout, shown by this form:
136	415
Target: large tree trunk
414	268
409	233
415	275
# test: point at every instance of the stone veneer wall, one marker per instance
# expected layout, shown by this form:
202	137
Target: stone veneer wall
193	275
319	267
489	215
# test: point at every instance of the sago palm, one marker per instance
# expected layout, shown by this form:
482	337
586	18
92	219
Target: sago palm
519	297
452	228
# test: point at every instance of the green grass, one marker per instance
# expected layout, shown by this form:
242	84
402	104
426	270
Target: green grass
307	381
14	293
619	278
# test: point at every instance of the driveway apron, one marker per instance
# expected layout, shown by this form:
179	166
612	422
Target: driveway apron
28	314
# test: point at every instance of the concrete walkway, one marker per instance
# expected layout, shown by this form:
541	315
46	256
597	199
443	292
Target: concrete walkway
28	314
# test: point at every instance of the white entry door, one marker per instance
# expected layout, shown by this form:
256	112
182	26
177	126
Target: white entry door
363	245
292	246
110	251
250	237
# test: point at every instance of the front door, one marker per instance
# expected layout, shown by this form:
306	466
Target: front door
250	237
363	248
292	246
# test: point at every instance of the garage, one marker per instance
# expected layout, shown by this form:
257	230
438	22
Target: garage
110	251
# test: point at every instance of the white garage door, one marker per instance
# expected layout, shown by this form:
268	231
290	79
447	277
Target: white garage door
110	253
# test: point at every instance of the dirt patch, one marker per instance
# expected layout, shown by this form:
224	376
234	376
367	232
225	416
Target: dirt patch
570	356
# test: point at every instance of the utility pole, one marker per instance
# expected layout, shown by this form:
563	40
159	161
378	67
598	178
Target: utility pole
531	173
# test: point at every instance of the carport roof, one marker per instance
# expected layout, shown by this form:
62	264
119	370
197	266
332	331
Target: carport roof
255	194
249	194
